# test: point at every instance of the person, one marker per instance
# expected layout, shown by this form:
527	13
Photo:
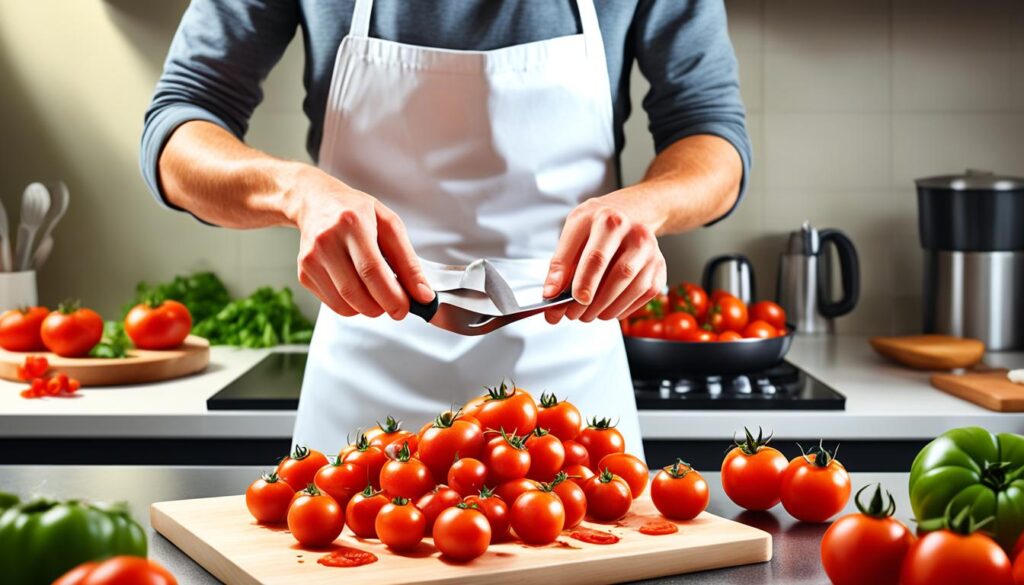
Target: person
449	131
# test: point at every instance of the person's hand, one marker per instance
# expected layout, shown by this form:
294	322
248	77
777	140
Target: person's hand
611	261
354	253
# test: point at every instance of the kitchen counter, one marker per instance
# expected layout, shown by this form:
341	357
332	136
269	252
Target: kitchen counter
795	544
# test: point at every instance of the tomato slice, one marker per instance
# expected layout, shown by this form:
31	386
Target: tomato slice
347	557
658	527
591	536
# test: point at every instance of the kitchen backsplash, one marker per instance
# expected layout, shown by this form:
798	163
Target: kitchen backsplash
848	103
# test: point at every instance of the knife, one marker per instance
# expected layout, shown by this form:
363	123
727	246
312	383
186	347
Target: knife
465	322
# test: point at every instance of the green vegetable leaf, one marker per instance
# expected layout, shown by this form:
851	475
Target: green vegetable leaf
114	343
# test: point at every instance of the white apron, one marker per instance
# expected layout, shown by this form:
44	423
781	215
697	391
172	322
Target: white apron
482	154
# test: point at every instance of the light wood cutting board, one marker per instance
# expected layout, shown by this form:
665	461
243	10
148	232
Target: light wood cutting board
991	389
930	352
221	536
139	367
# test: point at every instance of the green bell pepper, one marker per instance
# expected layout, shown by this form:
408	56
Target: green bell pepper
971	467
7	500
42	539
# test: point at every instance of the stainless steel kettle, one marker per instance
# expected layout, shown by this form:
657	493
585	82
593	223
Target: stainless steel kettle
805	279
732	273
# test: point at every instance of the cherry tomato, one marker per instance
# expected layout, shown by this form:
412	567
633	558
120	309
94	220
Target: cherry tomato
496	511
575	454
122	570
405	477
361	512
656	307
701	336
728	313
436	501
547	455
948	557
768	312
729	336
511	490
752	473
561	419
400	525
506	459
314	518
573	499
679	492
71	331
467	476
815	486
510	409
158	326
630	468
390	432
689	298
868	547
649	327
299	468
601	438
679	326
446	439
268	499
462	533
608	497
20	329
368	456
759	329
537	517
717	295
578	474
341	481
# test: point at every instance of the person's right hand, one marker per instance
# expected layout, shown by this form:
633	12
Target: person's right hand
352	247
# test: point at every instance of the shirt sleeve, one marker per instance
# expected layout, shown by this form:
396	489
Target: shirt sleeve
684	51
218	60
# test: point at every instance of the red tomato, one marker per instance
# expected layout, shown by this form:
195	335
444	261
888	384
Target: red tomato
268	499
679	326
815	486
656	307
506	459
436	501
601	438
71	331
729	336
400	525
689	298
717	295
20	329
547	455
299	468
390	432
573	499
679	492
650	327
446	439
123	570
578	474
630	468
341	481
608	497
370	457
561	419
510	409
701	336
760	330
462	533
575	454
537	517
768	312
728	314
361	512
945	557
467	476
314	518
868	547
496	511
160	326
1018	570
752	473
405	477
511	490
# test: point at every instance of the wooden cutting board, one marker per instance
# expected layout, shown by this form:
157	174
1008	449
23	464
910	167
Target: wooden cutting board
139	367
991	389
221	536
930	352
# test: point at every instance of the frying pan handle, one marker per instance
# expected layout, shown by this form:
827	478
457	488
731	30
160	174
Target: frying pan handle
426	311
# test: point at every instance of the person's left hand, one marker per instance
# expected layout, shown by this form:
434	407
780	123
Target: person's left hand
610	259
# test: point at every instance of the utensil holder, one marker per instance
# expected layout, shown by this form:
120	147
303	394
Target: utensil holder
18	289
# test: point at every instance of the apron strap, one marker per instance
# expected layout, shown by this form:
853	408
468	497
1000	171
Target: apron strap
592	32
360	27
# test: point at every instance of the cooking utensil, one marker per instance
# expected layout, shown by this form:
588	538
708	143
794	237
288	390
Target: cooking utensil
664	358
971	228
6	262
35	203
732	273
991	390
805	278
42	252
444	313
58	207
930	352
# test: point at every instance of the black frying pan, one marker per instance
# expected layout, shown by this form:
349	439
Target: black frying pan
662	358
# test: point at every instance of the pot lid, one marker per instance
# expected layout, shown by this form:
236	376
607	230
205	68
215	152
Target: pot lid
973	180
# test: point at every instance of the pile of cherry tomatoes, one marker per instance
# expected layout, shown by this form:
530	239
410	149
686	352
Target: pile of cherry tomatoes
502	466
688	313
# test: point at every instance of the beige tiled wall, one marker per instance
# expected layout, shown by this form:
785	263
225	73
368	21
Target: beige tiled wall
848	103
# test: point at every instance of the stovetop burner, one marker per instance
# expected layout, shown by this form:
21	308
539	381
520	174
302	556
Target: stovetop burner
782	387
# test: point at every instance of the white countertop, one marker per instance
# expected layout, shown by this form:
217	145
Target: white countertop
883	401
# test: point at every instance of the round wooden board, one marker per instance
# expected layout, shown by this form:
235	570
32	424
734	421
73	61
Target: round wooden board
139	367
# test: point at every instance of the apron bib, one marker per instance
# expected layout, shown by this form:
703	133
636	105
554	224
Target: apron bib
482	154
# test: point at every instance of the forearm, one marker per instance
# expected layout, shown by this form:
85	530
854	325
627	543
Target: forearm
209	172
692	182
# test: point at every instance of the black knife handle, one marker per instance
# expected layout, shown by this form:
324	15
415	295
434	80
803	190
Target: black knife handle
426	311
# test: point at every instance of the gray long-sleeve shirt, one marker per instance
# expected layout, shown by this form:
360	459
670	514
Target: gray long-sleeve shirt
224	49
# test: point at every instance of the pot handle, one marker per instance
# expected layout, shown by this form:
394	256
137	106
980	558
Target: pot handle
849	270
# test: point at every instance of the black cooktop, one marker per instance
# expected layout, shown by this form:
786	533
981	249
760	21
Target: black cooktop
272	384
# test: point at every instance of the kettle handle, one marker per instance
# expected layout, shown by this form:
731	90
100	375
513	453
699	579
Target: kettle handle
849	270
712	266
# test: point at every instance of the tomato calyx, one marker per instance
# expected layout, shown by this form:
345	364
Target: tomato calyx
403	455
271	477
963	523
362	443
390	425
300	452
311	490
446	419
548	400
69	306
465	506
601	424
501	392
822	456
606	476
750	445
517	442
878	508
994	475
679	469
400	501
539	432
369	492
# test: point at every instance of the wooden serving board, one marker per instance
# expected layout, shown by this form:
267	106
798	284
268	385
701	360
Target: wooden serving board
930	352
139	367
991	389
221	536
